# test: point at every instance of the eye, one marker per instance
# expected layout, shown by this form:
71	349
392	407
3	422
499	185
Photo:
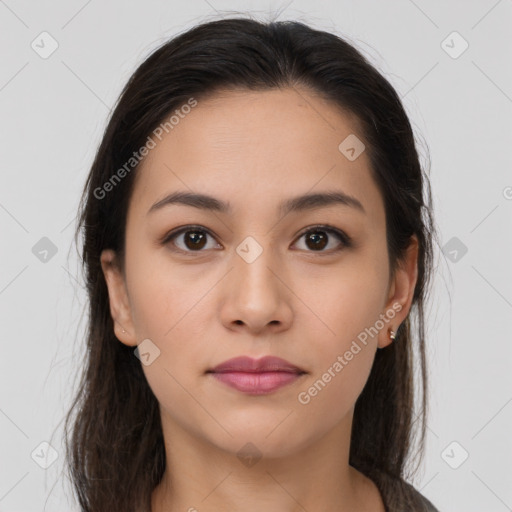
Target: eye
193	239
319	237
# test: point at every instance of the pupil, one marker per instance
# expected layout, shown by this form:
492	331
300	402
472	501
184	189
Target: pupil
196	237
319	239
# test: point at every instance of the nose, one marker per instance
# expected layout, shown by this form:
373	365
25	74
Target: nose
258	295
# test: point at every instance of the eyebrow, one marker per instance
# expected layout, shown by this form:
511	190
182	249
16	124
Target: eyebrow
295	204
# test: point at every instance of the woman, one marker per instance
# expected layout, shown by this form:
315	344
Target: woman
257	237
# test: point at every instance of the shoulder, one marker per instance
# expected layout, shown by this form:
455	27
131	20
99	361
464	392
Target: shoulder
400	496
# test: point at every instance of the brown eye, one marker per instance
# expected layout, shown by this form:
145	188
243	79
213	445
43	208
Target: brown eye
195	239
318	238
189	240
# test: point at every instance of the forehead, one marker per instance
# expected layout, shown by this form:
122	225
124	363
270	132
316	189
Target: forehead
253	148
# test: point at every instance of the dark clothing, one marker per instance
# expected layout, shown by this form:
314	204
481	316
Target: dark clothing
400	496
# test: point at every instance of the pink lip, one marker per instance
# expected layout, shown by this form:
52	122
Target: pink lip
256	376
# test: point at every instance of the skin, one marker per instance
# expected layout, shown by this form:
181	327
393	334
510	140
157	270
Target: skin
306	305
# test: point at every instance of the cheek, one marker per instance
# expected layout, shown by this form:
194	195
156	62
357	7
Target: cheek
331	393
349	305
163	297
173	322
344	353
342	367
173	309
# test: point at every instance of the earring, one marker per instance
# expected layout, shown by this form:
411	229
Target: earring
392	334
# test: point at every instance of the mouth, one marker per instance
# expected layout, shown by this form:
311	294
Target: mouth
256	376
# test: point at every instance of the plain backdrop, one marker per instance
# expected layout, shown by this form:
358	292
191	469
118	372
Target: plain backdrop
450	62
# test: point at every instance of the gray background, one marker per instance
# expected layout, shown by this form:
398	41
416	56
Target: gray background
53	111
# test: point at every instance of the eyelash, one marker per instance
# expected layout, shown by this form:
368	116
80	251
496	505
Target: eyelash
346	241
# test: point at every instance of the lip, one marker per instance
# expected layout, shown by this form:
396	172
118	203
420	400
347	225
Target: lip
256	376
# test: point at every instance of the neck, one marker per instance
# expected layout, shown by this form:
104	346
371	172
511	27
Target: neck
202	477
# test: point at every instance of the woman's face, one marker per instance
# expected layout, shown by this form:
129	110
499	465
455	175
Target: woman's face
253	278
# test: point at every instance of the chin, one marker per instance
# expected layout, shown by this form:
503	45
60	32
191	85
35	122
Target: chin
260	437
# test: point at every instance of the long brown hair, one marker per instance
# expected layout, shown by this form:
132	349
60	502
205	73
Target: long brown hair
114	443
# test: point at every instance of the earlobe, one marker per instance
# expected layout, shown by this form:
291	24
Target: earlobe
388	337
401	293
118	298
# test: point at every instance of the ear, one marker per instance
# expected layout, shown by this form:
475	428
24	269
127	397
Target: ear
118	297
401	292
